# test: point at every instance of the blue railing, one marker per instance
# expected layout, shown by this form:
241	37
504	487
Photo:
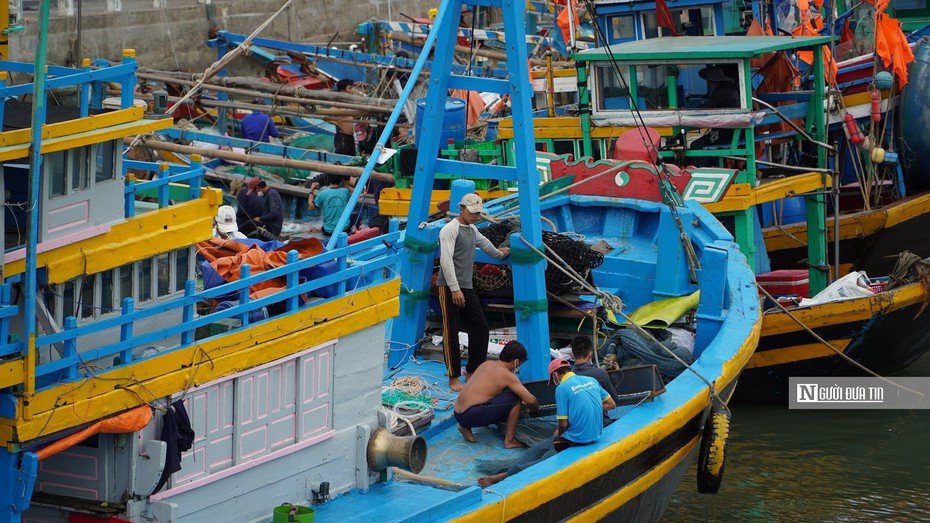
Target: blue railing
166	174
90	80
373	262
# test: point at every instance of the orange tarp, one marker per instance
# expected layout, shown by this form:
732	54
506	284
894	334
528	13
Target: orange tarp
129	421
226	257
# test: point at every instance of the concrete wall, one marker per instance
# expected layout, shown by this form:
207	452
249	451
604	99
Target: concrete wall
176	36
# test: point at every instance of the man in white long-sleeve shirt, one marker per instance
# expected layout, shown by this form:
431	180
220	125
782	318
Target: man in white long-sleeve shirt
461	309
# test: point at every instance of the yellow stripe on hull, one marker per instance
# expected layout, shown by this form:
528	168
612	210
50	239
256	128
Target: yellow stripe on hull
617	500
797	353
825	315
74	404
135	239
852	226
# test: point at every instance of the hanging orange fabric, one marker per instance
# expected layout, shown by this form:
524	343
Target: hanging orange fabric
563	22
891	45
755	29
807	29
474	104
129	421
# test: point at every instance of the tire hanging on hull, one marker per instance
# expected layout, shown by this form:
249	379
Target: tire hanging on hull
712	456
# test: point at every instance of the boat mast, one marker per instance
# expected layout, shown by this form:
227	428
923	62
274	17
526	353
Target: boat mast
421	239
32	210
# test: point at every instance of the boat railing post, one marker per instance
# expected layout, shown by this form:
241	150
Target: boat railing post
85	89
163	174
292	280
128	82
4	76
70	349
342	261
672	262
245	272
129	197
187	313
125	330
5	294
195	183
711	303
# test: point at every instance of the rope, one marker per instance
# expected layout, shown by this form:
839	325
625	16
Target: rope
616	305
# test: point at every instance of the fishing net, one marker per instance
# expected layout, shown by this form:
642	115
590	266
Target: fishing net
488	277
530	432
573	251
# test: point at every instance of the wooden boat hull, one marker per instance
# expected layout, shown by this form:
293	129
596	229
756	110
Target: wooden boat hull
869	241
881	332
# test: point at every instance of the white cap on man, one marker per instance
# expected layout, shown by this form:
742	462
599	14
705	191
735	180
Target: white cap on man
226	220
475	205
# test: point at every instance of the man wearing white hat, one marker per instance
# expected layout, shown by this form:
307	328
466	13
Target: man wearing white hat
225	225
461	308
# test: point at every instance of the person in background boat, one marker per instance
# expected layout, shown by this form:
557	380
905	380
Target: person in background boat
258	126
494	394
268	225
461	308
343	141
331	200
580	404
251	205
583	354
365	138
225	226
722	93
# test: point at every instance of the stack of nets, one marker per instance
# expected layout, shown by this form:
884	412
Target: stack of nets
575	253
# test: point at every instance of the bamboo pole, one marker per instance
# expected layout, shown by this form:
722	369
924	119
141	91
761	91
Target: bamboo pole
285	93
258	159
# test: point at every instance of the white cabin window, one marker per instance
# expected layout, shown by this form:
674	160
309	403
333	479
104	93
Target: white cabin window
77	160
104	155
57	174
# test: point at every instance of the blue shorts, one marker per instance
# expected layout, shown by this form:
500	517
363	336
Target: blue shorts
494	411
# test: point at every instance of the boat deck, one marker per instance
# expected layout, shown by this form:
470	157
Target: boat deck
449	456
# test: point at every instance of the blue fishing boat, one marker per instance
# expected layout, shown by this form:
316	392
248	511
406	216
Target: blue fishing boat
131	393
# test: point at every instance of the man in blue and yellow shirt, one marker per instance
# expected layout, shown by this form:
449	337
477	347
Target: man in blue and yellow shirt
580	403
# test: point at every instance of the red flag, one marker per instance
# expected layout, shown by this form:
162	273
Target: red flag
664	17
846	34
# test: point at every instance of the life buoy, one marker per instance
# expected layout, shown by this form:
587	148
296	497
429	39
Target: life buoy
711	458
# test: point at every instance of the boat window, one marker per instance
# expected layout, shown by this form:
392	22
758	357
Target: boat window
691	22
48	295
621	29
650	29
86	296
181	271
67	299
652	86
145	279
563	147
56	173
614	85
106	291
125	283
104	164
77	160
163	268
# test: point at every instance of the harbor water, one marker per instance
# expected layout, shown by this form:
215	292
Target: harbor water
817	465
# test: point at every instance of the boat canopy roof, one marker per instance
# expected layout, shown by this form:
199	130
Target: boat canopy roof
699	48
